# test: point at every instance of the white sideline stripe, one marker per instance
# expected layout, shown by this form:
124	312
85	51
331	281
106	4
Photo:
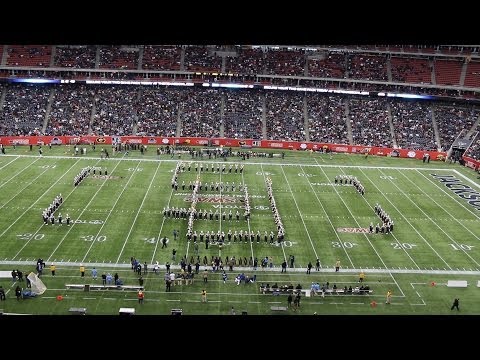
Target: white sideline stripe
251	163
357	303
176	300
275	271
89	298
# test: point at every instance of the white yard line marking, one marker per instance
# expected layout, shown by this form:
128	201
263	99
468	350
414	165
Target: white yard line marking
138	211
450	216
451	195
301	217
16	158
18	173
73	225
466	178
21	190
413	287
161	228
24	245
396	239
409	223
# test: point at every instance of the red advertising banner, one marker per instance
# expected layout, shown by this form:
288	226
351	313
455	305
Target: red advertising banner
471	163
247	143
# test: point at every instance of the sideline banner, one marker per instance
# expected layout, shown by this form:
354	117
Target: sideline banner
243	143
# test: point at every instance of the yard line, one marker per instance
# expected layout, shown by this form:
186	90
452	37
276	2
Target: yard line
396	239
138	211
4	166
18	218
18	173
466	178
301	217
450	194
453	217
61	206
73	224
136	216
116	201
248	222
21	190
401	213
161	228
365	235
328	218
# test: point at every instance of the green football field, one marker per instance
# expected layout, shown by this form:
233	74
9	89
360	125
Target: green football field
120	215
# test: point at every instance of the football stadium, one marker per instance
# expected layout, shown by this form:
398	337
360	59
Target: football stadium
239	180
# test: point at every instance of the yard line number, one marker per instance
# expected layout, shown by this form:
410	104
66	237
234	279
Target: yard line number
401	246
28	236
99	238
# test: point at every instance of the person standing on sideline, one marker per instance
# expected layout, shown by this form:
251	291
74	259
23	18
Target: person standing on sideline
52	269
94	274
361	277
175	234
140	296
317	265
456	303
289	300
389	297
204	295
337	265
82	270
18	292
174	254
309	267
